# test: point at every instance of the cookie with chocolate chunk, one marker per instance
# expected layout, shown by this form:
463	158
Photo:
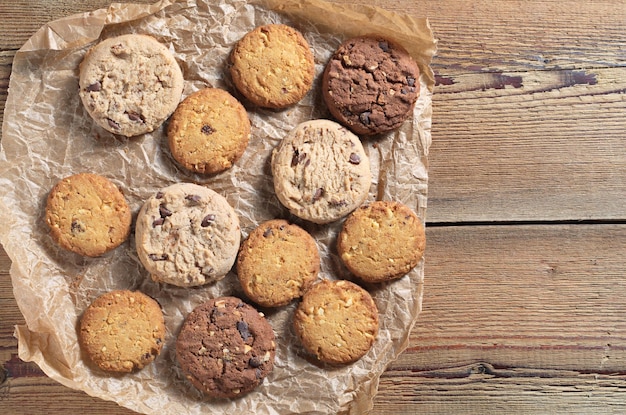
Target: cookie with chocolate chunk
321	171
122	331
381	241
337	321
187	235
130	84
226	348
87	214
277	263
371	84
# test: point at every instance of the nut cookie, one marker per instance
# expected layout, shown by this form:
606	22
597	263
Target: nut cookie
226	348
321	171
209	131
337	321
273	66
130	84
87	214
381	241
122	331
187	235
277	263
371	85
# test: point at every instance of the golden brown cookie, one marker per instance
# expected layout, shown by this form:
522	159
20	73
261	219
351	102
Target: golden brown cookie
381	241
273	66
122	331
277	263
226	348
337	321
209	131
87	214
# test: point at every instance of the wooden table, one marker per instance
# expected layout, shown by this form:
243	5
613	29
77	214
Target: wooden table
525	288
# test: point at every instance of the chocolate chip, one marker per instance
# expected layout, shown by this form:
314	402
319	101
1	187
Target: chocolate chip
410	81
254	362
244	331
77	227
159	195
319	193
133	116
268	232
384	46
193	198
338	203
297	157
208	220
95	87
113	124
355	158
158	222
206	129
156	257
164	212
365	117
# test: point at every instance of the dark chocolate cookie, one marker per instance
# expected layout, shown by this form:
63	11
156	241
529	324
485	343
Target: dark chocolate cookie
226	348
371	85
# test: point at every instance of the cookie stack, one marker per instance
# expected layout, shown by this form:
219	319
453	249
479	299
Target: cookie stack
188	235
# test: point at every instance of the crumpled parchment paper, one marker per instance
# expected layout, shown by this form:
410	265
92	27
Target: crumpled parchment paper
47	135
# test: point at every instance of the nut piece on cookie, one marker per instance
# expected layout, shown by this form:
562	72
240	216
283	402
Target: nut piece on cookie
371	84
87	214
122	331
226	348
337	321
277	263
209	131
273	66
130	84
381	241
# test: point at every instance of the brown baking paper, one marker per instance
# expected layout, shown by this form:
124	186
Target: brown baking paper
47	135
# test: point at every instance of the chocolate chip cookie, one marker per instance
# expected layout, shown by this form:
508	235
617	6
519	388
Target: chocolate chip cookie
87	214
321	171
187	235
381	241
209	131
130	84
337	321
122	331
277	263
273	66
226	348
371	85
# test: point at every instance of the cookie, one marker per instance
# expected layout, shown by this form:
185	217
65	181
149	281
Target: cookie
370	85
122	331
277	263
87	214
381	241
226	348
209	131
130	84
187	235
272	66
337	321
321	171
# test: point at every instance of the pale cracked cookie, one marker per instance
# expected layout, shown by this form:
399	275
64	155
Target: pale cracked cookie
130	84
371	84
273	66
277	263
321	171
381	241
187	235
209	131
226	348
337	321
122	331
87	214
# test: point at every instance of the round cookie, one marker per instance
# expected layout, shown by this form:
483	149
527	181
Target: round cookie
337	321
371	85
130	84
321	171
226	348
277	263
209	131
272	66
187	235
122	331
381	241
87	214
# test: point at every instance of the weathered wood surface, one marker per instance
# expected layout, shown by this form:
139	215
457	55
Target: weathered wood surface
525	296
